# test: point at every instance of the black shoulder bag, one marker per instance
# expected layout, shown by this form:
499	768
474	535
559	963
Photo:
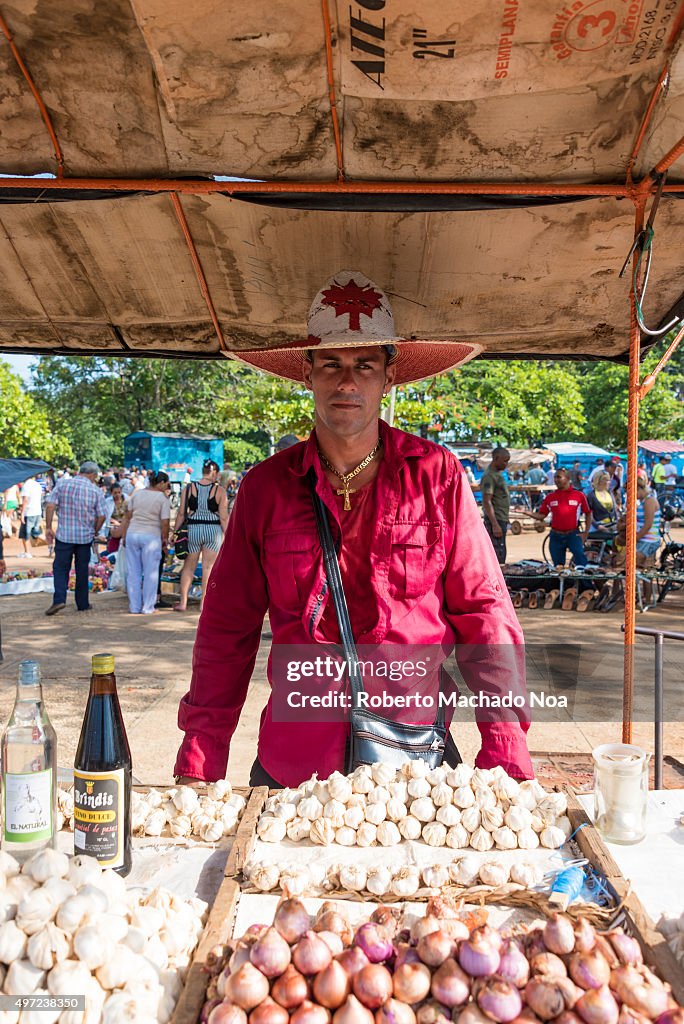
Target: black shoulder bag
374	738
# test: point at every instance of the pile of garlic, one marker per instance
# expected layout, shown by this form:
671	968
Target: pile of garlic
404	882
673	930
379	805
181	812
70	927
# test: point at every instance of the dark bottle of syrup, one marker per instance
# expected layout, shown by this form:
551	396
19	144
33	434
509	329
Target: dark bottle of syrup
102	775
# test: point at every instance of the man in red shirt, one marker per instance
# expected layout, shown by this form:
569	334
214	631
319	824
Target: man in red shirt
417	565
565	504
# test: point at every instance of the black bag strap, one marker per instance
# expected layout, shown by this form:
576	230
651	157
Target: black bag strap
334	576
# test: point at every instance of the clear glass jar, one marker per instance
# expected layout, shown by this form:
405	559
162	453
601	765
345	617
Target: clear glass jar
620	792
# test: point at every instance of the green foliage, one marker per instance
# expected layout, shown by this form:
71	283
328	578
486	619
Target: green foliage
24	428
239	452
266	403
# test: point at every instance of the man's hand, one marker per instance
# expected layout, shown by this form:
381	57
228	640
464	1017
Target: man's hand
585	536
187	780
50	536
3	567
496	530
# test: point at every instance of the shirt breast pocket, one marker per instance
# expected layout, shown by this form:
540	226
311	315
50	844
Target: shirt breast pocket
289	564
417	558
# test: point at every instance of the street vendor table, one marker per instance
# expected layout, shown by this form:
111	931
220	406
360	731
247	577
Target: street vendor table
654	866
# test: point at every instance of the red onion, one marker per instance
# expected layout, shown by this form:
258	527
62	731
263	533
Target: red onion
526	1017
270	953
559	934
629	1016
534	943
499	1000
374	941
640	990
332	921
311	954
241	955
585	936
411	983
388	918
488	934
548	965
332	986
450	985
310	1013
353	1012
567	1017
433	1012
290	989
442	906
571	992
353	960
332	941
627	949
254	931
673	1016
247	987
372	986
607	951
434	948
472	1014
478	956
291	919
207	1008
597	1006
425	925
513	965
269	1012
394	1012
407	954
227	1013
589	970
456	930
544	997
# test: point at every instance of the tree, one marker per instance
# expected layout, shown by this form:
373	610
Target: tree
24	428
269	404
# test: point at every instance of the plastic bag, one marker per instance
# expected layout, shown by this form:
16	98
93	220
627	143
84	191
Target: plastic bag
117	581
6	525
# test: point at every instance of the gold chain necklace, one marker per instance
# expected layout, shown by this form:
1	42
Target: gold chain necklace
346	478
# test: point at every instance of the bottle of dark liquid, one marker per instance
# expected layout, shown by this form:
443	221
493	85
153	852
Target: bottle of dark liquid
102	775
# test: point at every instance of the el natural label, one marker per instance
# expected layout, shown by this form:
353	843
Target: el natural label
28	806
98	816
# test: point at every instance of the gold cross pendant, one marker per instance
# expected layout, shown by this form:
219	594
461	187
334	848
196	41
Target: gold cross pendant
346	490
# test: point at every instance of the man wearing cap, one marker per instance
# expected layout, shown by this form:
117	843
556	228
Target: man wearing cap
416	563
81	511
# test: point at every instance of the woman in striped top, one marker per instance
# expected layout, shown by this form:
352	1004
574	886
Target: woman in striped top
204	510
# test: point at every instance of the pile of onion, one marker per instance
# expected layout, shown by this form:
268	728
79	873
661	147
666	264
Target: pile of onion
319	971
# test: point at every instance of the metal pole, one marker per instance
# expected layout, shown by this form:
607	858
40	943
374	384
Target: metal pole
658	769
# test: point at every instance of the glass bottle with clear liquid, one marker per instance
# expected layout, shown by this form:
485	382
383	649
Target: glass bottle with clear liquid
28	754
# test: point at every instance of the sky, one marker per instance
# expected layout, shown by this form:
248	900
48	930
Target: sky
19	364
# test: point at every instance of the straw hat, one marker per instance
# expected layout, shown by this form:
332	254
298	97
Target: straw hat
350	312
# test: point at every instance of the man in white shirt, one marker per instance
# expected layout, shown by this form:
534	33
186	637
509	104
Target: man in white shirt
30	513
670	472
600	467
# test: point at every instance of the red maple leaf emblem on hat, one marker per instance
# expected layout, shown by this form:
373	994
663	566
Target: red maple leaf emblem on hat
353	299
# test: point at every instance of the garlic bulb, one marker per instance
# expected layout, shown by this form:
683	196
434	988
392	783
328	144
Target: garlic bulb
459	776
322	832
464	871
552	837
528	875
517	818
494	874
212	832
442	794
83	870
449	815
298	829
154	823
334	812
418	788
48	946
181	826
417	769
382	773
219	790
366	834
483	776
406	882
288	812
481	840
471	819
505	788
434	833
464	797
185	799
525	798
528	839
22	978
388	834
12	942
353	816
310	807
436	876
297	881
154	798
19	887
345	836
362	783
552	805
379	795
410	827
46	864
340	787
423	809
484	797
93	946
35	911
9	867
357	800
396	810
491	817
322	792
353	877
457	837
565	825
58	889
376	813
116	971
379	881
75	911
270	829
536	822
399	791
505	838
150	920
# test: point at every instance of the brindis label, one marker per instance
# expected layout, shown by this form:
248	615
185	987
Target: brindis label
99	816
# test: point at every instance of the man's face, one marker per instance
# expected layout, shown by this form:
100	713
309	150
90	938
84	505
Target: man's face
561	480
348	385
499	462
116	493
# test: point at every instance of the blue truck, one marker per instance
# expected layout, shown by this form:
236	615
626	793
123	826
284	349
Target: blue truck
172	453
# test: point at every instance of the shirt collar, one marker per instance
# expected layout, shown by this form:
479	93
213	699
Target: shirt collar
398	446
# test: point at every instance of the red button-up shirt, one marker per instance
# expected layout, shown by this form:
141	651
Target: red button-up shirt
434	580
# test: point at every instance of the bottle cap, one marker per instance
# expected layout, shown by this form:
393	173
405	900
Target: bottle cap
103	664
29	672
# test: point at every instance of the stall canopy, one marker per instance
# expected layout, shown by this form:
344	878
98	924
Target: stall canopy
15	471
479	161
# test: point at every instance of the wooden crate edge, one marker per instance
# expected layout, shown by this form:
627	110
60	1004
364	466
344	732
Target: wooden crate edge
246	836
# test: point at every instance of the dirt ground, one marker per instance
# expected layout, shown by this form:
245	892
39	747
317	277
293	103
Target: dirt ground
153	658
